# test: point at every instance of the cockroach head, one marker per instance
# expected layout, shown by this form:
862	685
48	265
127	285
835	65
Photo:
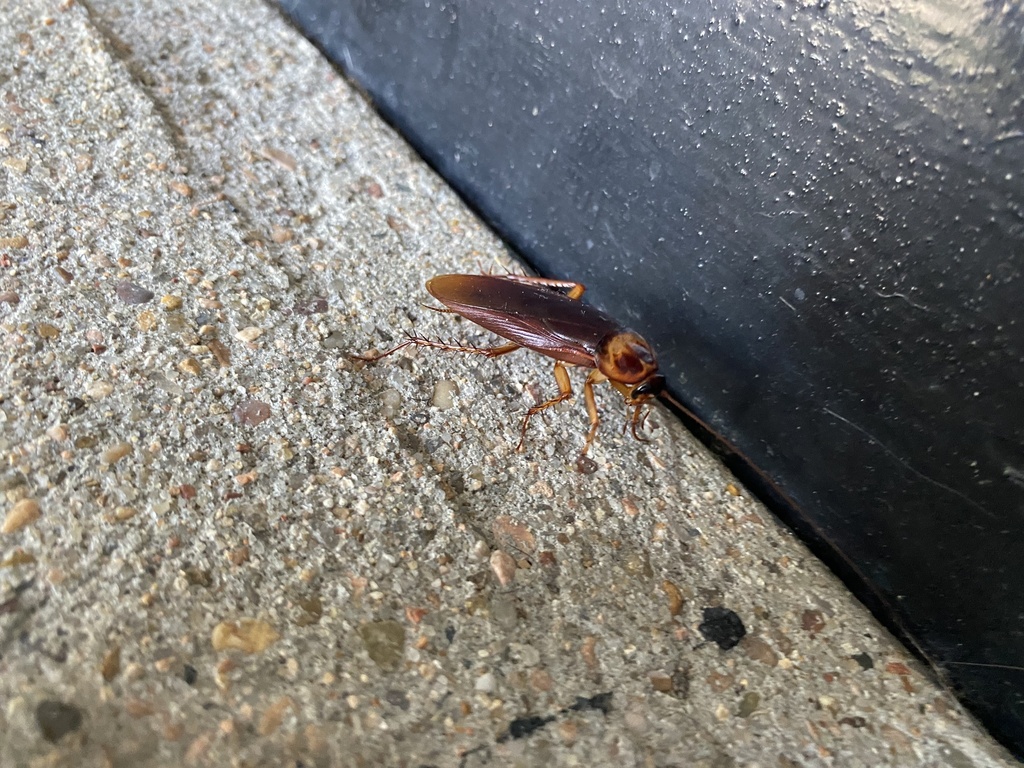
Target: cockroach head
626	358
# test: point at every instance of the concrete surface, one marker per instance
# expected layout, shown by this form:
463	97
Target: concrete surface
225	543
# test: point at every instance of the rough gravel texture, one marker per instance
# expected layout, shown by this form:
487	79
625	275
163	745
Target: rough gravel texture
223	542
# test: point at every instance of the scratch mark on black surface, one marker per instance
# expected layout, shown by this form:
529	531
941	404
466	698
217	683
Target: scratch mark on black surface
897	295
906	465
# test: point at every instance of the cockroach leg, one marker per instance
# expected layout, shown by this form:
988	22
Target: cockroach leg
575	290
564	393
421	341
595	377
440	310
640	415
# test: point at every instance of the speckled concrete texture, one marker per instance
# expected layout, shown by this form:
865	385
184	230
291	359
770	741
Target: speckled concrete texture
226	543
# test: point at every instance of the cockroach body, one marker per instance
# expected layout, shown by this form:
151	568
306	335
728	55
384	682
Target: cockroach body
546	316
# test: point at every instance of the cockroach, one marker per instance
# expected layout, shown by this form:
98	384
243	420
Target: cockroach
547	316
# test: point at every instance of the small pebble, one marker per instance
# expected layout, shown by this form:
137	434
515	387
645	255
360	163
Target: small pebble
384	641
485	683
115	453
147	320
170	302
675	597
57	719
9	297
249	334
247	635
190	366
444	391
99	390
111	665
280	157
274	715
18	241
391	402
131	293
251	413
504	567
25	512
748	704
220	352
181	188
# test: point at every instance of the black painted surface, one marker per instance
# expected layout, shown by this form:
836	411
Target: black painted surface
814	211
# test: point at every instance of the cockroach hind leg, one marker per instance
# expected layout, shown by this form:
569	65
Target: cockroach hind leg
564	393
375	356
439	310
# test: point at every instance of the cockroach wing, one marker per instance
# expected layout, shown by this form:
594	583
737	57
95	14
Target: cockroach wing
531	315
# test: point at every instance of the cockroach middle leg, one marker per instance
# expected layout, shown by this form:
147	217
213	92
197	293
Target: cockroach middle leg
421	341
575	290
595	377
564	393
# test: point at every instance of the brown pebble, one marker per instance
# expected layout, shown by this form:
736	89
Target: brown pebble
138	708
661	682
220	352
504	567
25	512
181	188
147	320
589	651
47	330
541	680
281	235
9	297
170	302
16	558
513	535
15	242
720	683
110	667
247	635
190	366
676	601
759	650
274	715
812	621
732	490
116	452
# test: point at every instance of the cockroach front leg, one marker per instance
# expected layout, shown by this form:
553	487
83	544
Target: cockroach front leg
564	393
640	415
420	341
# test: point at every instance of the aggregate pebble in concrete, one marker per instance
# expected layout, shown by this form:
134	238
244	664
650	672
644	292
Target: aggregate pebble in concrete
225	542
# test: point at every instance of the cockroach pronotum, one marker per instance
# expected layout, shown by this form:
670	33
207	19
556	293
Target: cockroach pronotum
546	316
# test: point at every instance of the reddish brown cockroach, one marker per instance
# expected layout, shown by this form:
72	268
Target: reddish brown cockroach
546	316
